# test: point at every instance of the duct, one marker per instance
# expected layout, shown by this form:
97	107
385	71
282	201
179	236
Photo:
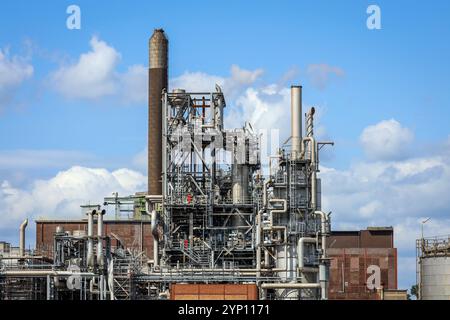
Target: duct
296	121
90	253
100	259
155	234
22	238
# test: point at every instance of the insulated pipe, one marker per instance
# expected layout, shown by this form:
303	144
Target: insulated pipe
296	121
90	254
259	229
323	272
43	273
301	251
100	260
258	244
266	184
266	259
312	149
155	239
323	230
284	210
290	285
22	238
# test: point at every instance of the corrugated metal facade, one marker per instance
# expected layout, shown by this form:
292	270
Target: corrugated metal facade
354	255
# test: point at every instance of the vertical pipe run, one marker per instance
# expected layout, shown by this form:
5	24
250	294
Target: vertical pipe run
100	260
90	254
22	237
296	121
323	267
155	238
313	154
258	245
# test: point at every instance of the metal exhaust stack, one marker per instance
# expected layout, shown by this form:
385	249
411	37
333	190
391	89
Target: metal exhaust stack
22	237
157	76
296	121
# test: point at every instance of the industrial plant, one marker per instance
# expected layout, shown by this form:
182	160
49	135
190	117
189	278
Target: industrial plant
213	224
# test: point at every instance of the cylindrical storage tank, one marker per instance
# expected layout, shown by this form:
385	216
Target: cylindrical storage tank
435	278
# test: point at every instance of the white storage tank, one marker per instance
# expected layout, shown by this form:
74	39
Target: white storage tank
435	278
434	264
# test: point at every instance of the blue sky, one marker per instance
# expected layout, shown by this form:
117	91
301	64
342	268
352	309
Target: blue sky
356	77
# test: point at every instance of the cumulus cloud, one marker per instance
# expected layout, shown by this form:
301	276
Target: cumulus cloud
386	140
94	75
62	195
14	70
391	191
233	85
397	188
321	74
264	107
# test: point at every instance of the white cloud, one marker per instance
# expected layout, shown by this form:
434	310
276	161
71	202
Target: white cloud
94	75
62	195
386	140
264	107
321	74
14	70
232	86
134	84
398	193
196	82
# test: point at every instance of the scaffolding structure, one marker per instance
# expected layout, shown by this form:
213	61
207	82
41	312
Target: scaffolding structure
218	219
